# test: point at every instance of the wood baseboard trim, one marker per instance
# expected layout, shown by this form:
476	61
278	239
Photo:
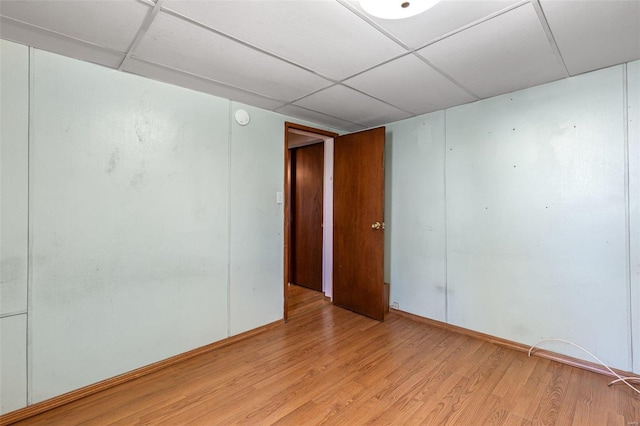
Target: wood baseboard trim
520	347
57	401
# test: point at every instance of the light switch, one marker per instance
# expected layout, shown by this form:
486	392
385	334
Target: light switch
279	197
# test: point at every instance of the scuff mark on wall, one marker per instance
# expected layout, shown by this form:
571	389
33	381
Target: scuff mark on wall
113	161
10	269
136	179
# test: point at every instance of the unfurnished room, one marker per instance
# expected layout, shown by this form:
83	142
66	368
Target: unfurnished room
305	212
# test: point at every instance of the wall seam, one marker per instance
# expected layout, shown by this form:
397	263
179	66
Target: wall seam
446	234
229	177
29	312
627	211
16	313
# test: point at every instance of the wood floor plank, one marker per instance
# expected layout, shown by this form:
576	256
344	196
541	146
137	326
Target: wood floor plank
493	412
331	366
553	396
516	376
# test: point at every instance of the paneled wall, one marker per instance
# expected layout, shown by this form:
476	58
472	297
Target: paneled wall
633	140
148	216
415	241
536	215
128	222
540	231
14	134
150	221
257	221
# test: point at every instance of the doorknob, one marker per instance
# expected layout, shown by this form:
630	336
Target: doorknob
376	225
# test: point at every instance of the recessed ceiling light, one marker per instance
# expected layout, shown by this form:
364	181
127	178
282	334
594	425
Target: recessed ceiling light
396	9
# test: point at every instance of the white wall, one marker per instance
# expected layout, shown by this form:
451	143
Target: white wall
14	130
633	120
154	227
415	214
128	222
152	217
536	215
256	250
13	362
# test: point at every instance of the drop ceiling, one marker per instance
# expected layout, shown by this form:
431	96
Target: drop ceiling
328	61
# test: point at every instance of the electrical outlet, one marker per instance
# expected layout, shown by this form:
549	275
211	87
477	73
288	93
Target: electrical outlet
395	305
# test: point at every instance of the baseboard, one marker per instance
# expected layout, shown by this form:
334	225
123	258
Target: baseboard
520	347
41	407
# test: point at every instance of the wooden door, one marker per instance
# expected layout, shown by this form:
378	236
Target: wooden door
358	218
307	199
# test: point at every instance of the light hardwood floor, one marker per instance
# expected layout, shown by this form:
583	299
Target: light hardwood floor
331	366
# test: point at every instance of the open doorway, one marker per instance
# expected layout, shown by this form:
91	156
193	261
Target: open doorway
352	217
308	211
307	186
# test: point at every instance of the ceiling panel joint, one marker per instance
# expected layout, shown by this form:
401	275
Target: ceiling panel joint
144	27
547	30
244	43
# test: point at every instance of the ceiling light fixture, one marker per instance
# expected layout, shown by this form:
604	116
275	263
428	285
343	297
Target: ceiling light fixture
396	9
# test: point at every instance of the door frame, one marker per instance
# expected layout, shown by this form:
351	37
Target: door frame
325	135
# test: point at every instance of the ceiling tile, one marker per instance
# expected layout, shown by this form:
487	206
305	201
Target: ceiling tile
443	18
52	42
200	84
411	85
107	23
321	35
316	117
594	34
178	44
350	105
503	48
509	52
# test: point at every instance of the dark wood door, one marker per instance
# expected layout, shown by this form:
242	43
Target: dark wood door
307	193
358	215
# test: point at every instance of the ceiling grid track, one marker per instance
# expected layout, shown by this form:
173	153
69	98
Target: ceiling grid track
547	30
216	82
320	113
393	58
144	27
244	43
472	24
377	99
447	76
371	22
310	94
57	34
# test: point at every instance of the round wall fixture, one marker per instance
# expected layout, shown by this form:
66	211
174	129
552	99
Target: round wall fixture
242	117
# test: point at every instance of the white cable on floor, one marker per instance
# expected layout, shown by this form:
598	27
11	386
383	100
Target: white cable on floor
625	378
619	377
